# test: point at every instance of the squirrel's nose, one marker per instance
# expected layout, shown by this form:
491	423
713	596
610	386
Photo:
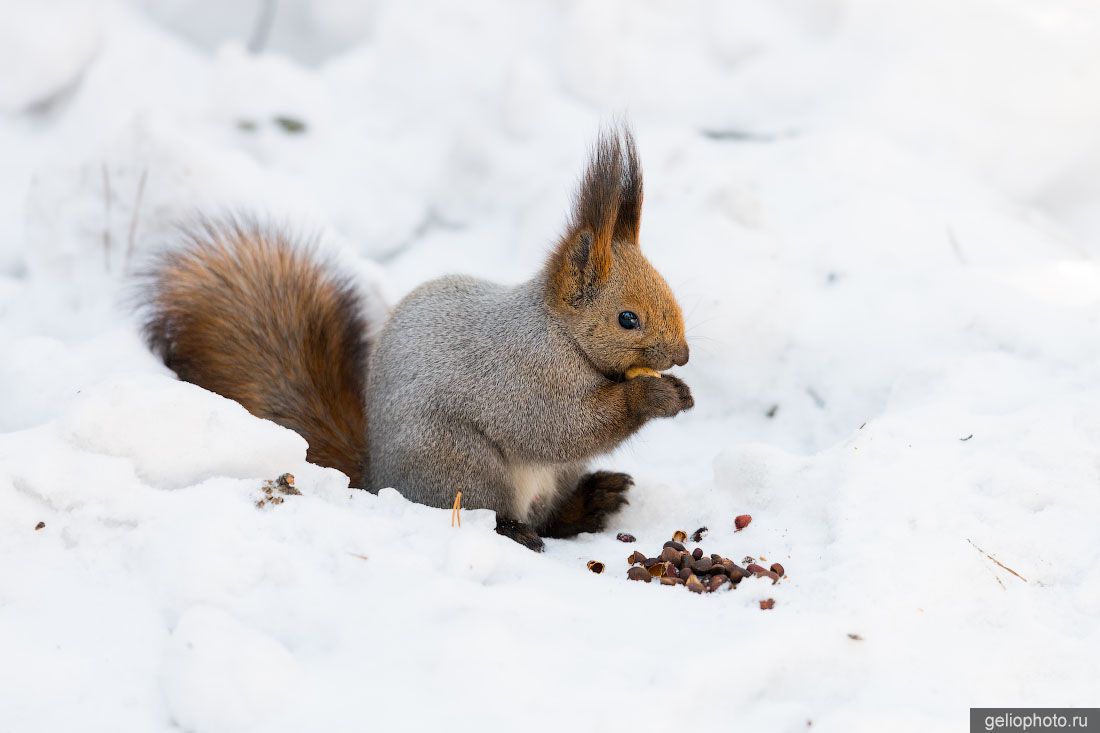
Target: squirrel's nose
680	356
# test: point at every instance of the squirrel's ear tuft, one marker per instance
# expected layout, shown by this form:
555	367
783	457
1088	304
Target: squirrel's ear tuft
629	219
606	209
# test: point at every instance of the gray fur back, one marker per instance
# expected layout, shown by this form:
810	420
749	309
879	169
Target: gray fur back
471	386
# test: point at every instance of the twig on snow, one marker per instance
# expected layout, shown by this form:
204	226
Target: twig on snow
456	511
261	29
134	218
999	563
107	217
955	245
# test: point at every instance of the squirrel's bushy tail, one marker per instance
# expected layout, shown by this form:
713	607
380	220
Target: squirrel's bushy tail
242	311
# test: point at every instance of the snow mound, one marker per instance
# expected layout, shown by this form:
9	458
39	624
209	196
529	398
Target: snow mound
175	434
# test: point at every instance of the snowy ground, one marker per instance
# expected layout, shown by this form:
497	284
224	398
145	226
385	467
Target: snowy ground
881	218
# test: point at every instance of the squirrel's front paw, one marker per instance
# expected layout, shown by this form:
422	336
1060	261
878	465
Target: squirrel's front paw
662	396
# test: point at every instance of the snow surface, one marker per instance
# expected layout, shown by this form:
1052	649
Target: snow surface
880	217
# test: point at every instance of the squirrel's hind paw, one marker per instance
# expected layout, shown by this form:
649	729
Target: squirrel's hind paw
598	495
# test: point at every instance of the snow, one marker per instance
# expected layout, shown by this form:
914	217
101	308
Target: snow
879	216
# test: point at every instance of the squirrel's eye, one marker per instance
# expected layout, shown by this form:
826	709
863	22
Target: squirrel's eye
629	319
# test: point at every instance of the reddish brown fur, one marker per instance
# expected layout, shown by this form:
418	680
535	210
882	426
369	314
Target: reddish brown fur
598	270
241	312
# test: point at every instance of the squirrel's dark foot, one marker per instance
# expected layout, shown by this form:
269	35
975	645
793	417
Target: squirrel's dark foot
598	495
522	533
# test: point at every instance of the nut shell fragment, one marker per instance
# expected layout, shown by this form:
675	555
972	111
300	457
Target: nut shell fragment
760	572
659	570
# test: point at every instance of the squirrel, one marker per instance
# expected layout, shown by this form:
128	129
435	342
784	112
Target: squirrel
502	393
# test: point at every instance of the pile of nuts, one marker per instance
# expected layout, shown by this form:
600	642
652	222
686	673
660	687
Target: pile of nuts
700	572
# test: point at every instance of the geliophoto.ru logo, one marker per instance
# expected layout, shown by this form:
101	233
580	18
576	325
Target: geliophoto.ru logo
1033	720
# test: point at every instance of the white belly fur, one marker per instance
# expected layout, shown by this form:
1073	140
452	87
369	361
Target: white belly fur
532	482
